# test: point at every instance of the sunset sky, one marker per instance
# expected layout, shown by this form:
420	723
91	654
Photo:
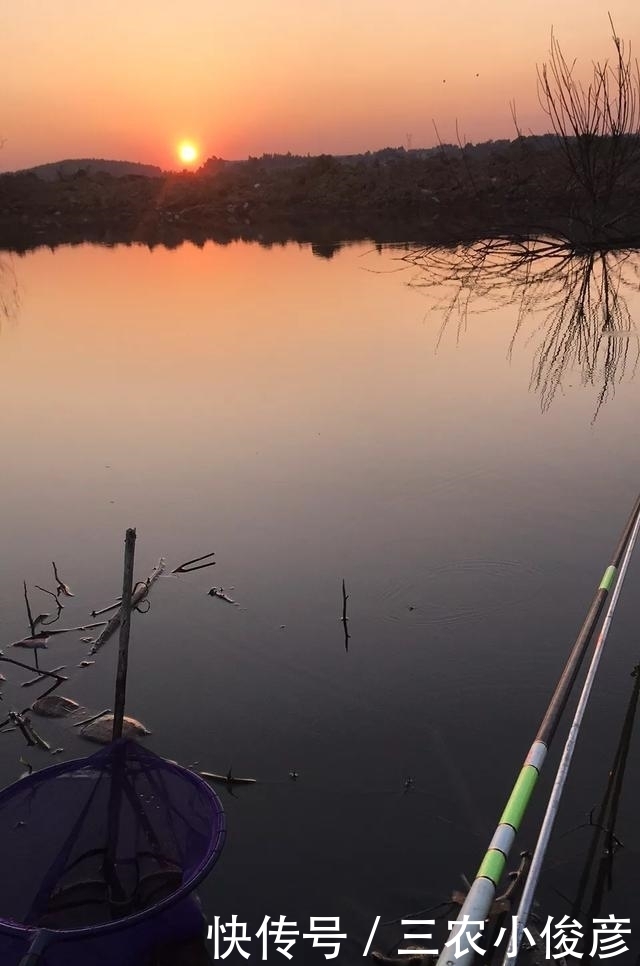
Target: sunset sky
132	80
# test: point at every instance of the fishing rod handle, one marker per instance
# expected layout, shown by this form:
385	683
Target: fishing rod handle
38	946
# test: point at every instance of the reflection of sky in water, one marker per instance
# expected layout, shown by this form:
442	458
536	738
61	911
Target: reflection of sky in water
292	414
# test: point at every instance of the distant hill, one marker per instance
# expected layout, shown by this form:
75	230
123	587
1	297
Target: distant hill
70	167
288	161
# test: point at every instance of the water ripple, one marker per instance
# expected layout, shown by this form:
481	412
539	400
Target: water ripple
465	590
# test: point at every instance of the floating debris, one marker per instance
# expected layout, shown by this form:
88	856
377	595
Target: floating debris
228	779
35	642
101	729
294	775
85	663
55	706
220	593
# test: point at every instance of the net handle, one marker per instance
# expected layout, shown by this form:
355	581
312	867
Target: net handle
39	944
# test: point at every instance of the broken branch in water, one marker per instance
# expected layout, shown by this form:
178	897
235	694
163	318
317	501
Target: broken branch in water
344	618
40	640
140	592
58	679
187	568
51	594
81	627
42	675
32	624
62	587
58	605
17	717
20	723
30	735
39	740
105	610
94	717
29	667
229	779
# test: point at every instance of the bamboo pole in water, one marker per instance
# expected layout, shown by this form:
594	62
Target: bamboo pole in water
125	624
477	905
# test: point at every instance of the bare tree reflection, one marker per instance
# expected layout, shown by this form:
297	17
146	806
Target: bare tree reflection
570	301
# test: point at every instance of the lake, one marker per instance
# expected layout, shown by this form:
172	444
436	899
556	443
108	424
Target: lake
308	420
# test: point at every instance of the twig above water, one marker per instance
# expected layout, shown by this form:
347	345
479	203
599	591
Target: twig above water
344	618
188	568
62	587
32	623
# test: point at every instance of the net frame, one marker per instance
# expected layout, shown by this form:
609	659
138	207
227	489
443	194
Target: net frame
201	870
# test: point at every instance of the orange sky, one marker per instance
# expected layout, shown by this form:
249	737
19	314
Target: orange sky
85	78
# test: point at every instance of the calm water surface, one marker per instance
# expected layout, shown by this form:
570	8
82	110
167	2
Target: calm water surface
297	416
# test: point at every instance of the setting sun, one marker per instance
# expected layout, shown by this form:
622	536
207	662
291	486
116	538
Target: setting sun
187	152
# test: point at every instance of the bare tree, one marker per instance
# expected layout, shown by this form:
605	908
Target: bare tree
597	124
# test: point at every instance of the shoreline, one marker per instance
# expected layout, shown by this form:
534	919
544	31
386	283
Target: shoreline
444	200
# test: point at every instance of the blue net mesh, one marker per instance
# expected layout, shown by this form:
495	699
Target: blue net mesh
112	837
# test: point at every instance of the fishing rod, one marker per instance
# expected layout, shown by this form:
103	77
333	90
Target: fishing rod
526	899
477	905
605	821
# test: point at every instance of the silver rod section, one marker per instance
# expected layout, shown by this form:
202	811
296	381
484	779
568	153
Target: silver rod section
526	900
